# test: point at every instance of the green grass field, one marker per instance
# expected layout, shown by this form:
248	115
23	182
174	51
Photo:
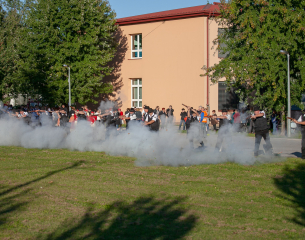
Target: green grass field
58	194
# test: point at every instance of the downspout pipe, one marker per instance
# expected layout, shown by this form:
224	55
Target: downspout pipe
208	102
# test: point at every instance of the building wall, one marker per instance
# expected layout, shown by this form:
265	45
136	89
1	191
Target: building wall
174	52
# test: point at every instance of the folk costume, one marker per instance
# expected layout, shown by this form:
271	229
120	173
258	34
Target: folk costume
261	131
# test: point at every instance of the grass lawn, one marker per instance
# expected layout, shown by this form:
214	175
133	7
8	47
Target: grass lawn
58	194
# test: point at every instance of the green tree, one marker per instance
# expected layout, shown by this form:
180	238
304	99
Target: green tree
11	25
255	32
78	33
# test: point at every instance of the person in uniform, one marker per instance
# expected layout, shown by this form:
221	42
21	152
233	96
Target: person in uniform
301	121
152	120
81	115
138	114
146	108
130	116
170	114
190	120
63	116
224	122
162	117
183	115
261	128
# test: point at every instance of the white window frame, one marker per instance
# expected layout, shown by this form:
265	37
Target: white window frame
138	85
138	50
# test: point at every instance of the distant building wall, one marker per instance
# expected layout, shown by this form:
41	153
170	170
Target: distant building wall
174	51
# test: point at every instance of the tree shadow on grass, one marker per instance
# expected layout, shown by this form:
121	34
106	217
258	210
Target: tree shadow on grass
10	197
292	184
145	218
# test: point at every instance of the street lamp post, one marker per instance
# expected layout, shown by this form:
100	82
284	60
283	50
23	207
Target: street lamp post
288	89
69	87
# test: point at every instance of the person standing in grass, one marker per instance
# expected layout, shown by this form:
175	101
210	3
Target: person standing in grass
131	116
152	120
261	131
224	124
236	120
170	114
139	114
183	114
214	120
162	117
191	120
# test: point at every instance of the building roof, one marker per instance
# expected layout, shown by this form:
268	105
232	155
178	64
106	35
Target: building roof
203	10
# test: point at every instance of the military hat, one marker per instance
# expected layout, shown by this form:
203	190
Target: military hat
150	110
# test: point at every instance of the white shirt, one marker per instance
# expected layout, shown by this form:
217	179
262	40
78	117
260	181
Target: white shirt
153	116
300	118
132	116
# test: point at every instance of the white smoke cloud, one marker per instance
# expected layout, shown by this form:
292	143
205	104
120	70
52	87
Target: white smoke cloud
166	147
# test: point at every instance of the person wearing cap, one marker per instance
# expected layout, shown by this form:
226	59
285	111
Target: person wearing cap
146	108
301	121
183	115
224	123
261	128
131	116
152	120
157	111
162	117
170	114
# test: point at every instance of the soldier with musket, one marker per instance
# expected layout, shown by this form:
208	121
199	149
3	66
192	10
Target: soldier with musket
130	116
152	120
261	128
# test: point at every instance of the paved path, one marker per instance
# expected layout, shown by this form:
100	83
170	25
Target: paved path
287	147
284	146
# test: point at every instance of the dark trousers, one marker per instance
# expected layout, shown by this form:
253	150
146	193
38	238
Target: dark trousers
258	137
303	144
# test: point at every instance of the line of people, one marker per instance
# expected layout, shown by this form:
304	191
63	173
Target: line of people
152	118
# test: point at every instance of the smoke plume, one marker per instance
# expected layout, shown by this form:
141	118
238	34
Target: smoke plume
166	147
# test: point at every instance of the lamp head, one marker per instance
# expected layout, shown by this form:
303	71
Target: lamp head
284	52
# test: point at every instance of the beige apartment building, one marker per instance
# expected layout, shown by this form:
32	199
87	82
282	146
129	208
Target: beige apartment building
165	53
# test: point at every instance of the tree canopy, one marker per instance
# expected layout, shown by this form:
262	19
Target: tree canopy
76	33
254	33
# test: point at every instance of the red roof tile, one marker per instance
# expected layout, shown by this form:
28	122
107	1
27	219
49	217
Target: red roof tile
203	10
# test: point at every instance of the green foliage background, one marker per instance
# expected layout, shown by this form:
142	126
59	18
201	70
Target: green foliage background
255	33
78	33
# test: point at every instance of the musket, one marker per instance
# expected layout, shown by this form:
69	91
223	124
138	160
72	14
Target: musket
184	105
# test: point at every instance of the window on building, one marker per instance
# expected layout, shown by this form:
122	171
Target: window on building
221	53
136	46
226	99
136	93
